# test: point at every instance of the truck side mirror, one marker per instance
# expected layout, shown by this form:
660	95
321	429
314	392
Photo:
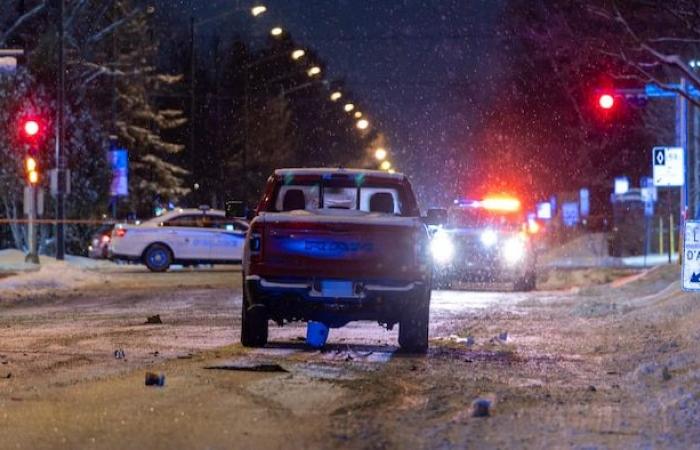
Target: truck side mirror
436	216
235	210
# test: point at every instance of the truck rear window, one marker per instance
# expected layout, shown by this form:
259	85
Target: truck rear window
329	195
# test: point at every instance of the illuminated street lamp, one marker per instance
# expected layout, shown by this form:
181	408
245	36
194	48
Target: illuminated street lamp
385	165
380	154
258	10
348	107
335	96
299	53
277	31
362	124
358	114
315	70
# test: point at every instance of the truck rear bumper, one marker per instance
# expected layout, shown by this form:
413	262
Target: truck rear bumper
301	300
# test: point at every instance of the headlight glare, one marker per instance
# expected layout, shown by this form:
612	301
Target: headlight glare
514	250
441	248
489	238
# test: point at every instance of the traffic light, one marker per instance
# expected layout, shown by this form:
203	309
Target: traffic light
30	129
32	170
606	101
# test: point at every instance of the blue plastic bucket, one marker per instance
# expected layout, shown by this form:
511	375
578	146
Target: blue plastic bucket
316	334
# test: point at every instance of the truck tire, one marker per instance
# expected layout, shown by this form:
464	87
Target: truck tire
158	258
254	325
413	326
527	283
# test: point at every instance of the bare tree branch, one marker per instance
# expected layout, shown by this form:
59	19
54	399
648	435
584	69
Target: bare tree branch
20	21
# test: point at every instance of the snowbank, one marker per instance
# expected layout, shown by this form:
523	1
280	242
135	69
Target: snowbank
12	260
591	250
50	276
31	279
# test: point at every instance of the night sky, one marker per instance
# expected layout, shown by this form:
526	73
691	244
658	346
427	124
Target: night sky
424	70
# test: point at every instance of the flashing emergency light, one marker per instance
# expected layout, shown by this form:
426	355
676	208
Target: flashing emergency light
505	204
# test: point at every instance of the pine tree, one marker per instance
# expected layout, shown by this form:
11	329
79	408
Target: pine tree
140	124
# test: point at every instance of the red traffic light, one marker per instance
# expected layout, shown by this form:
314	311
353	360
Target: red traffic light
606	101
30	128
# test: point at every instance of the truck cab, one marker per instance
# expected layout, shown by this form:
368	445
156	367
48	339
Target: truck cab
335	246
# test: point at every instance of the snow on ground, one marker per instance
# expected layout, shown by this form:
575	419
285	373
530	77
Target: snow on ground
591	250
50	275
27	278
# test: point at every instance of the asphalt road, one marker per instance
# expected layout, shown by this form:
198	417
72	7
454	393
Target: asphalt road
544	362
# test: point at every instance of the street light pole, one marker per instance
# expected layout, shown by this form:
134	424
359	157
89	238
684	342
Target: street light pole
60	142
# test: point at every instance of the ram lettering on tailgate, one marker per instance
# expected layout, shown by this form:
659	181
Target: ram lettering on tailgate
325	248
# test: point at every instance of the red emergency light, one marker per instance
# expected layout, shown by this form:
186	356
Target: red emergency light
505	204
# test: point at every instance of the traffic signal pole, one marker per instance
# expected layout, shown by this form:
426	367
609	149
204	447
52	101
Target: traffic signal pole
682	142
60	142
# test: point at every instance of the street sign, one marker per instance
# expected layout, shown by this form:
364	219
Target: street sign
649	191
622	185
648	208
544	210
669	166
691	256
585	200
8	64
119	162
569	213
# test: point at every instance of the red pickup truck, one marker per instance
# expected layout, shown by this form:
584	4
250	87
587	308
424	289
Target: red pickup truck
335	246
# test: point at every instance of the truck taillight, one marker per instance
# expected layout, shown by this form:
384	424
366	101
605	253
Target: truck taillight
255	241
120	232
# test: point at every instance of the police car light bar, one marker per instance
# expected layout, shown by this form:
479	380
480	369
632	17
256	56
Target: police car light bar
506	204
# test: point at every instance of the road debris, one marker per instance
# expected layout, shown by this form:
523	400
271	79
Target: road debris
119	354
481	407
154	320
249	367
665	373
316	334
153	379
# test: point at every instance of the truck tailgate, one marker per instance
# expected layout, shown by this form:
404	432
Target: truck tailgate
342	250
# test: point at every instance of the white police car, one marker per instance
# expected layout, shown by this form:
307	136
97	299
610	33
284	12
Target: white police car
182	236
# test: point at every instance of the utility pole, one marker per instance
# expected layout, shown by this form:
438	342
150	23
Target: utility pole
192	81
60	142
682	142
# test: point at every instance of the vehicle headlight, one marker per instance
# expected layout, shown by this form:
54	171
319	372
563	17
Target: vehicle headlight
489	238
442	248
514	250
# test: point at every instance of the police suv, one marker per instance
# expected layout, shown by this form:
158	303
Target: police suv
486	241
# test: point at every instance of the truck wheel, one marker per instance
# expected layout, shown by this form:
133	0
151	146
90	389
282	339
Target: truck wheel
413	327
254	325
158	258
527	283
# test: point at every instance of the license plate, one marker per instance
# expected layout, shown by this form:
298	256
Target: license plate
337	288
